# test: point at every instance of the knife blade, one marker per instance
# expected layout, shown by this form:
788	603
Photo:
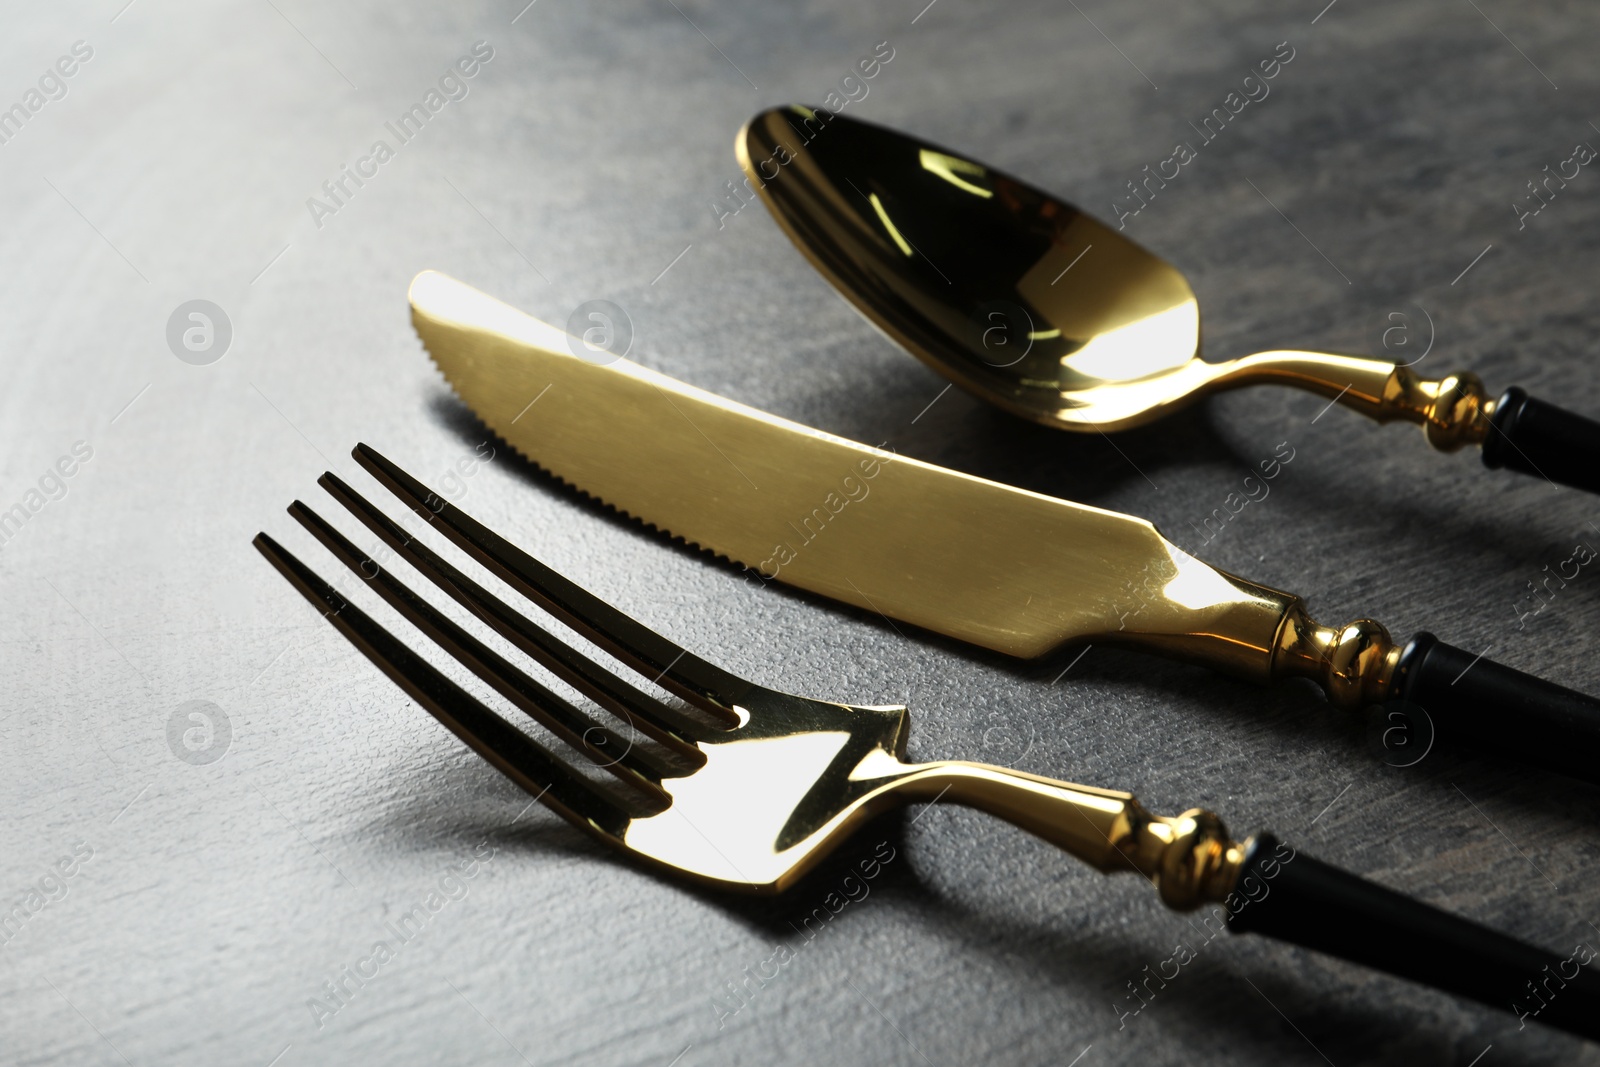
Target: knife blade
1011	570
1014	571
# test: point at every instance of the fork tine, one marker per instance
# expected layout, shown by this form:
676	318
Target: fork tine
635	766
665	724
527	763
703	684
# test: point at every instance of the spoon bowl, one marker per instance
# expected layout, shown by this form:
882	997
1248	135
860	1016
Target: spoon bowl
1030	304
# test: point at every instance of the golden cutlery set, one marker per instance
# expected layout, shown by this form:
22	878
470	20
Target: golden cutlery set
747	788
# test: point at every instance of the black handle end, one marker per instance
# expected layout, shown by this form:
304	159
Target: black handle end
1292	897
1537	438
1468	699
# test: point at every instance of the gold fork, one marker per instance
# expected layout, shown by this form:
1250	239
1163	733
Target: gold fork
748	788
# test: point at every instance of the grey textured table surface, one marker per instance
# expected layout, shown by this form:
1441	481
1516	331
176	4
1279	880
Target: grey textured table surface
209	904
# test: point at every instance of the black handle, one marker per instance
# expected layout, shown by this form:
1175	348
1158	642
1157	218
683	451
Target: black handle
1536	438
1470	700
1294	898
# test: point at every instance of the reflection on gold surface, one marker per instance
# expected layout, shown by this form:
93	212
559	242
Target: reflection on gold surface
883	216
1133	351
1196	586
726	802
950	168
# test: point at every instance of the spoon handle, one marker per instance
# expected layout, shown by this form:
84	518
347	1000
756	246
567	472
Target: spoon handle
1320	907
1541	439
1479	703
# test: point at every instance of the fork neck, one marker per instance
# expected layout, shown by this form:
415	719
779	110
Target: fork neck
1190	858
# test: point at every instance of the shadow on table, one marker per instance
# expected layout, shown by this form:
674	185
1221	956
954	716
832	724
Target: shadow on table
1089	965
1220	697
1218	997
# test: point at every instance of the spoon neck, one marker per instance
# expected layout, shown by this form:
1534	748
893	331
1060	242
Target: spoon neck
1355	381
1453	411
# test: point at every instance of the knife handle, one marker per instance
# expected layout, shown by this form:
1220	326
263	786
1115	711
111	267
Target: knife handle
1318	906
1541	439
1472	701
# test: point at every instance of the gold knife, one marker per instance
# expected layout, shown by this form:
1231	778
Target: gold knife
1010	570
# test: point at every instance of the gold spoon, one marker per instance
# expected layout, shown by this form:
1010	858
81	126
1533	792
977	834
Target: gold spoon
1028	303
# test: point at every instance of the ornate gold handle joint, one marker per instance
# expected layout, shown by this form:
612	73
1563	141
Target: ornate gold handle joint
1354	664
1453	411
1190	859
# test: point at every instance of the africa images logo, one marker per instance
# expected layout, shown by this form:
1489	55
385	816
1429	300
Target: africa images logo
52	85
342	187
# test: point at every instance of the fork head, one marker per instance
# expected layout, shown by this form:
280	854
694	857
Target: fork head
746	789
